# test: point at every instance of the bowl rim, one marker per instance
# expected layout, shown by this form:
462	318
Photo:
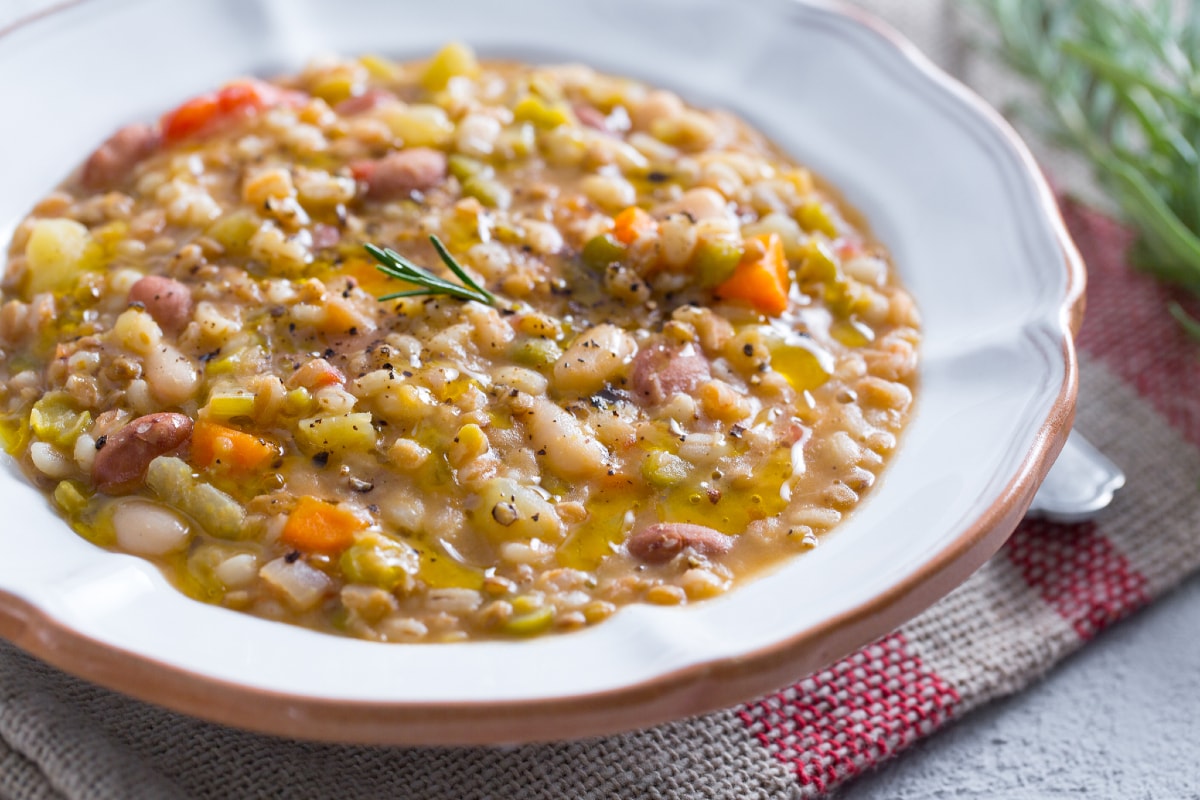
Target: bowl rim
700	688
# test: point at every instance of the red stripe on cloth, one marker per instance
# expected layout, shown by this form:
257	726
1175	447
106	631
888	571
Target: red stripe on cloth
1127	326
1078	572
842	720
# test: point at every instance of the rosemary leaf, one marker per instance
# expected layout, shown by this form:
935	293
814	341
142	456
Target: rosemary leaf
395	265
1121	82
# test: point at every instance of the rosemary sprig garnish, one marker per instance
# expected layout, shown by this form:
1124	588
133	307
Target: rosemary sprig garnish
1122	80
397	266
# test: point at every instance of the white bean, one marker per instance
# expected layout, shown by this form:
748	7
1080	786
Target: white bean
147	528
171	375
50	461
593	359
238	571
568	449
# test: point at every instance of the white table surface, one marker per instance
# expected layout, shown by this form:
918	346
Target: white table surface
1120	719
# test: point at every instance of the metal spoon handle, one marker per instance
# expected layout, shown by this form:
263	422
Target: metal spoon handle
1079	485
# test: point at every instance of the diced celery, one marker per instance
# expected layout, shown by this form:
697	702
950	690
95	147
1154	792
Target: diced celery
818	262
464	167
54	419
298	401
488	191
229	405
218	513
380	562
537	352
14	434
529	623
602	250
534	109
814	216
847	297
454	60
349	432
70	497
339	85
714	260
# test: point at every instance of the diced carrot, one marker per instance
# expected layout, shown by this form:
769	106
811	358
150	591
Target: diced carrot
202	113
631	224
761	278
235	451
317	526
190	118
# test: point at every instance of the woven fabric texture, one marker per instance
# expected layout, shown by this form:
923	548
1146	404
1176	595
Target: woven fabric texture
1050	590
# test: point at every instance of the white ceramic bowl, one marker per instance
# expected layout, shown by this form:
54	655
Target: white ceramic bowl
944	183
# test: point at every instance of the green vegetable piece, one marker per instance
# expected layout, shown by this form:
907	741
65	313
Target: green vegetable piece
218	513
70	497
382	562
602	250
814	216
464	167
534	109
227	406
818	262
538	353
14	434
530	623
715	260
488	191
54	419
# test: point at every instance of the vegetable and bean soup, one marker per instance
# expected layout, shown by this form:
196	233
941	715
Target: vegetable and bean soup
447	349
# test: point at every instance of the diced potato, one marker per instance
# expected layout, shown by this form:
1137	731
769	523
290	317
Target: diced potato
298	584
453	60
507	511
419	125
58	252
136	331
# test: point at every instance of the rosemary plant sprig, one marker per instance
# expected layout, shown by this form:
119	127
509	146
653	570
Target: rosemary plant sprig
1122	80
397	266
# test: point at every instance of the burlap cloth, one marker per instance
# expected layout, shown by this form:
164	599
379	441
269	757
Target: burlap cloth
1048	592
